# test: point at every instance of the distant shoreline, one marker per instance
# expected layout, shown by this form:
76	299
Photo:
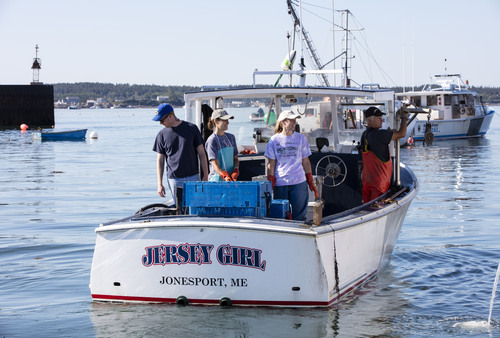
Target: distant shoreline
106	95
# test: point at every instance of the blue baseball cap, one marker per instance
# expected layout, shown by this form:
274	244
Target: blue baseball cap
163	110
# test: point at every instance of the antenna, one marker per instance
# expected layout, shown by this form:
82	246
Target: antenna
412	70
404	73
333	39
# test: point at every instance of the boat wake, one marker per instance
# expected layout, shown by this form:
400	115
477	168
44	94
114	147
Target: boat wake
473	325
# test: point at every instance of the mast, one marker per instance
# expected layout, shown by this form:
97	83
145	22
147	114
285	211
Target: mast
309	44
346	79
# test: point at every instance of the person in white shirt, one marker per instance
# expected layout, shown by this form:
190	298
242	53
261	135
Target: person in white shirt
289	168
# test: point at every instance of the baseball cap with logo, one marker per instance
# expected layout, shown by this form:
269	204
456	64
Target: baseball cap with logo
163	110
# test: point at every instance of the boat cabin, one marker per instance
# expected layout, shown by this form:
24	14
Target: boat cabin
447	98
332	137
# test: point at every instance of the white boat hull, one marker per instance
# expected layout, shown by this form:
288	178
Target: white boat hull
250	261
256	119
457	128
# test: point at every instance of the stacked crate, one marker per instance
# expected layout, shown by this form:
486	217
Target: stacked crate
228	198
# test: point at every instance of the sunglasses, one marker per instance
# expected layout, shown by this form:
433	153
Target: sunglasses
163	119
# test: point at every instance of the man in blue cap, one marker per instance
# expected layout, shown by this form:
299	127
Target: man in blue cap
179	144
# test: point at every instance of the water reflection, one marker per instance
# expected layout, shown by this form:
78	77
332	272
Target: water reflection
451	178
371	311
28	177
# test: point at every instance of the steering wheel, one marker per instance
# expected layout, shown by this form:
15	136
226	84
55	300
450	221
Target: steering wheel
333	170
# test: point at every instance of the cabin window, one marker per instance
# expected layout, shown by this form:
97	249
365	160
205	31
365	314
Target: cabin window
416	101
310	112
447	100
432	100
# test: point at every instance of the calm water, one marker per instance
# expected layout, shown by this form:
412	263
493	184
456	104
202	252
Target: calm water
53	195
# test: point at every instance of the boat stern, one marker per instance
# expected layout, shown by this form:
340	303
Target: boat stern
196	261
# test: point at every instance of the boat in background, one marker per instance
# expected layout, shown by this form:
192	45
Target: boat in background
258	116
447	108
68	135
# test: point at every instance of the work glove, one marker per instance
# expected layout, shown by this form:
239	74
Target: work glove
310	182
225	176
272	179
235	174
403	113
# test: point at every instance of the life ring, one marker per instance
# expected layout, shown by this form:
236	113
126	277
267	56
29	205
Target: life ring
462	110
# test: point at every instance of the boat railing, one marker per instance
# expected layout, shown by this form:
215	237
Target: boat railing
446	82
336	201
301	73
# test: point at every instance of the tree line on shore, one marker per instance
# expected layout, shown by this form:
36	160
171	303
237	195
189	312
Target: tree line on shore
124	94
148	95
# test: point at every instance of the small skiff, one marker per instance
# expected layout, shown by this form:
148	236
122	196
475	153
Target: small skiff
68	135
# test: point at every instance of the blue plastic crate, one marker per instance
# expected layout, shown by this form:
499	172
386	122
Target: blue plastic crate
224	211
280	208
227	198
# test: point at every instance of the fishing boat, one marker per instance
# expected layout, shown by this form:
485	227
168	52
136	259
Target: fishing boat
68	135
232	243
446	108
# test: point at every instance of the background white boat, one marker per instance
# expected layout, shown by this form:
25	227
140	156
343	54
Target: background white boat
446	109
257	116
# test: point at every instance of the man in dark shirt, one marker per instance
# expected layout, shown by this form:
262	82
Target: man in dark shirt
377	163
181	145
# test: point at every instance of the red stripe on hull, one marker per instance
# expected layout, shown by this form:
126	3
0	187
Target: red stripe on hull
206	301
111	298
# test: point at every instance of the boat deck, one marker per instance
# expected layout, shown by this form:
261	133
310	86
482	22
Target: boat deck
161	215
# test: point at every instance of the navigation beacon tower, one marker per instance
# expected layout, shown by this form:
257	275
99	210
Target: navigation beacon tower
37	65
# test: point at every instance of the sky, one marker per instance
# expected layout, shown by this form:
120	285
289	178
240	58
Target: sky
221	42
